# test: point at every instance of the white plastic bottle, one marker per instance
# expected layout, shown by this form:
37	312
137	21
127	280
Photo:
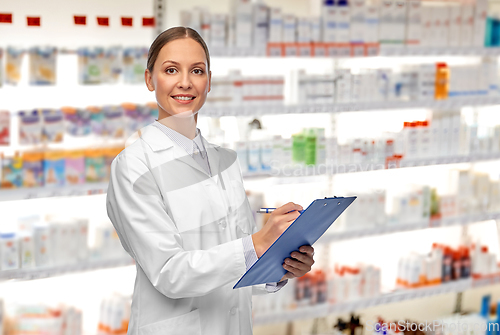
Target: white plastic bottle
9	251
27	250
43	244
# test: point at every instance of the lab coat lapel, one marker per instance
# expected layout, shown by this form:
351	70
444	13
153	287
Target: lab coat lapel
181	155
213	160
158	142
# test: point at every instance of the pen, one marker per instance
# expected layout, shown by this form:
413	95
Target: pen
270	210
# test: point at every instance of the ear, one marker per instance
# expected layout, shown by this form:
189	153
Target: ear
148	78
209	81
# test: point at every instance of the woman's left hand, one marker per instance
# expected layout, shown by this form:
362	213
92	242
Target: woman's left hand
300	262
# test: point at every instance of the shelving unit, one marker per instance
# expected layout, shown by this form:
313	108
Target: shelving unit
283	174
52	271
362	167
384	50
139	94
397	228
450	103
322	310
52	191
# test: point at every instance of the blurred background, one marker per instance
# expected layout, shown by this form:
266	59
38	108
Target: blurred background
393	101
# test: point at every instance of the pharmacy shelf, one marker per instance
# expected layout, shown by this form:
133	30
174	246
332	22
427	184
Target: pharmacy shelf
53	191
486	281
52	271
249	110
384	50
438	51
392	297
396	228
51	97
299	171
283	177
449	160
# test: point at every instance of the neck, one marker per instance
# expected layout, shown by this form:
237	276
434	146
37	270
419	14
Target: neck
184	125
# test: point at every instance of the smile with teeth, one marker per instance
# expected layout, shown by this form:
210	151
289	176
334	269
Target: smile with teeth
183	98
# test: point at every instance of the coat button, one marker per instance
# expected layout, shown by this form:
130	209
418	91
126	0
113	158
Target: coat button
223	224
233	311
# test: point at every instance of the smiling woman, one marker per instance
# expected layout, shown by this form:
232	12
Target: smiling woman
179	207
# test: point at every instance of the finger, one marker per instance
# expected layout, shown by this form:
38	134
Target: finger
307	249
304	258
289	207
297	265
289	217
294	271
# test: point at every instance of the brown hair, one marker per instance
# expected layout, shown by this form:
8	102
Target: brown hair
173	34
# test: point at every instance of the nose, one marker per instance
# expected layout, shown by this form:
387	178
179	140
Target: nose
184	81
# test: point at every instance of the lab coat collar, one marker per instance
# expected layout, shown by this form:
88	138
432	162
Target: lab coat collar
155	138
158	141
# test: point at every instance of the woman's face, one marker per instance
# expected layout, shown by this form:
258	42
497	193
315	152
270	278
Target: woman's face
180	78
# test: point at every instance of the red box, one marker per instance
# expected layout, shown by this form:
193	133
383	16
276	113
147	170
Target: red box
80	20
127	21
103	21
33	21
5	18
148	21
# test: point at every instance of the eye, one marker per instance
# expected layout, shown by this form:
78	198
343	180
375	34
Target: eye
170	70
198	71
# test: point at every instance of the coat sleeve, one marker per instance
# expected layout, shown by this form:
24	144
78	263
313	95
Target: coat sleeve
150	236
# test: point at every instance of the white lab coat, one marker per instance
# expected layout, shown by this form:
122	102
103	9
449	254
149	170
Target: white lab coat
184	230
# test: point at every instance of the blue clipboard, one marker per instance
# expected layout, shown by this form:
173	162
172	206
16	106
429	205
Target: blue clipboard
305	230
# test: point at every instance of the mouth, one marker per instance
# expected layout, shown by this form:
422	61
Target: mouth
183	98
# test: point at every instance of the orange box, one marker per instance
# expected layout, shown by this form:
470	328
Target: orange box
290	49
274	50
357	49
304	49
319	50
338	50
372	49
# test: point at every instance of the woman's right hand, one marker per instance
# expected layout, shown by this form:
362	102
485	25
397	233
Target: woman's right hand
281	218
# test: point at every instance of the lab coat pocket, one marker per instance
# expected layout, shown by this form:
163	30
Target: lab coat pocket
239	208
180	325
237	195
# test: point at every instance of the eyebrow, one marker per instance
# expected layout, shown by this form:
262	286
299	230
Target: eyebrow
176	63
